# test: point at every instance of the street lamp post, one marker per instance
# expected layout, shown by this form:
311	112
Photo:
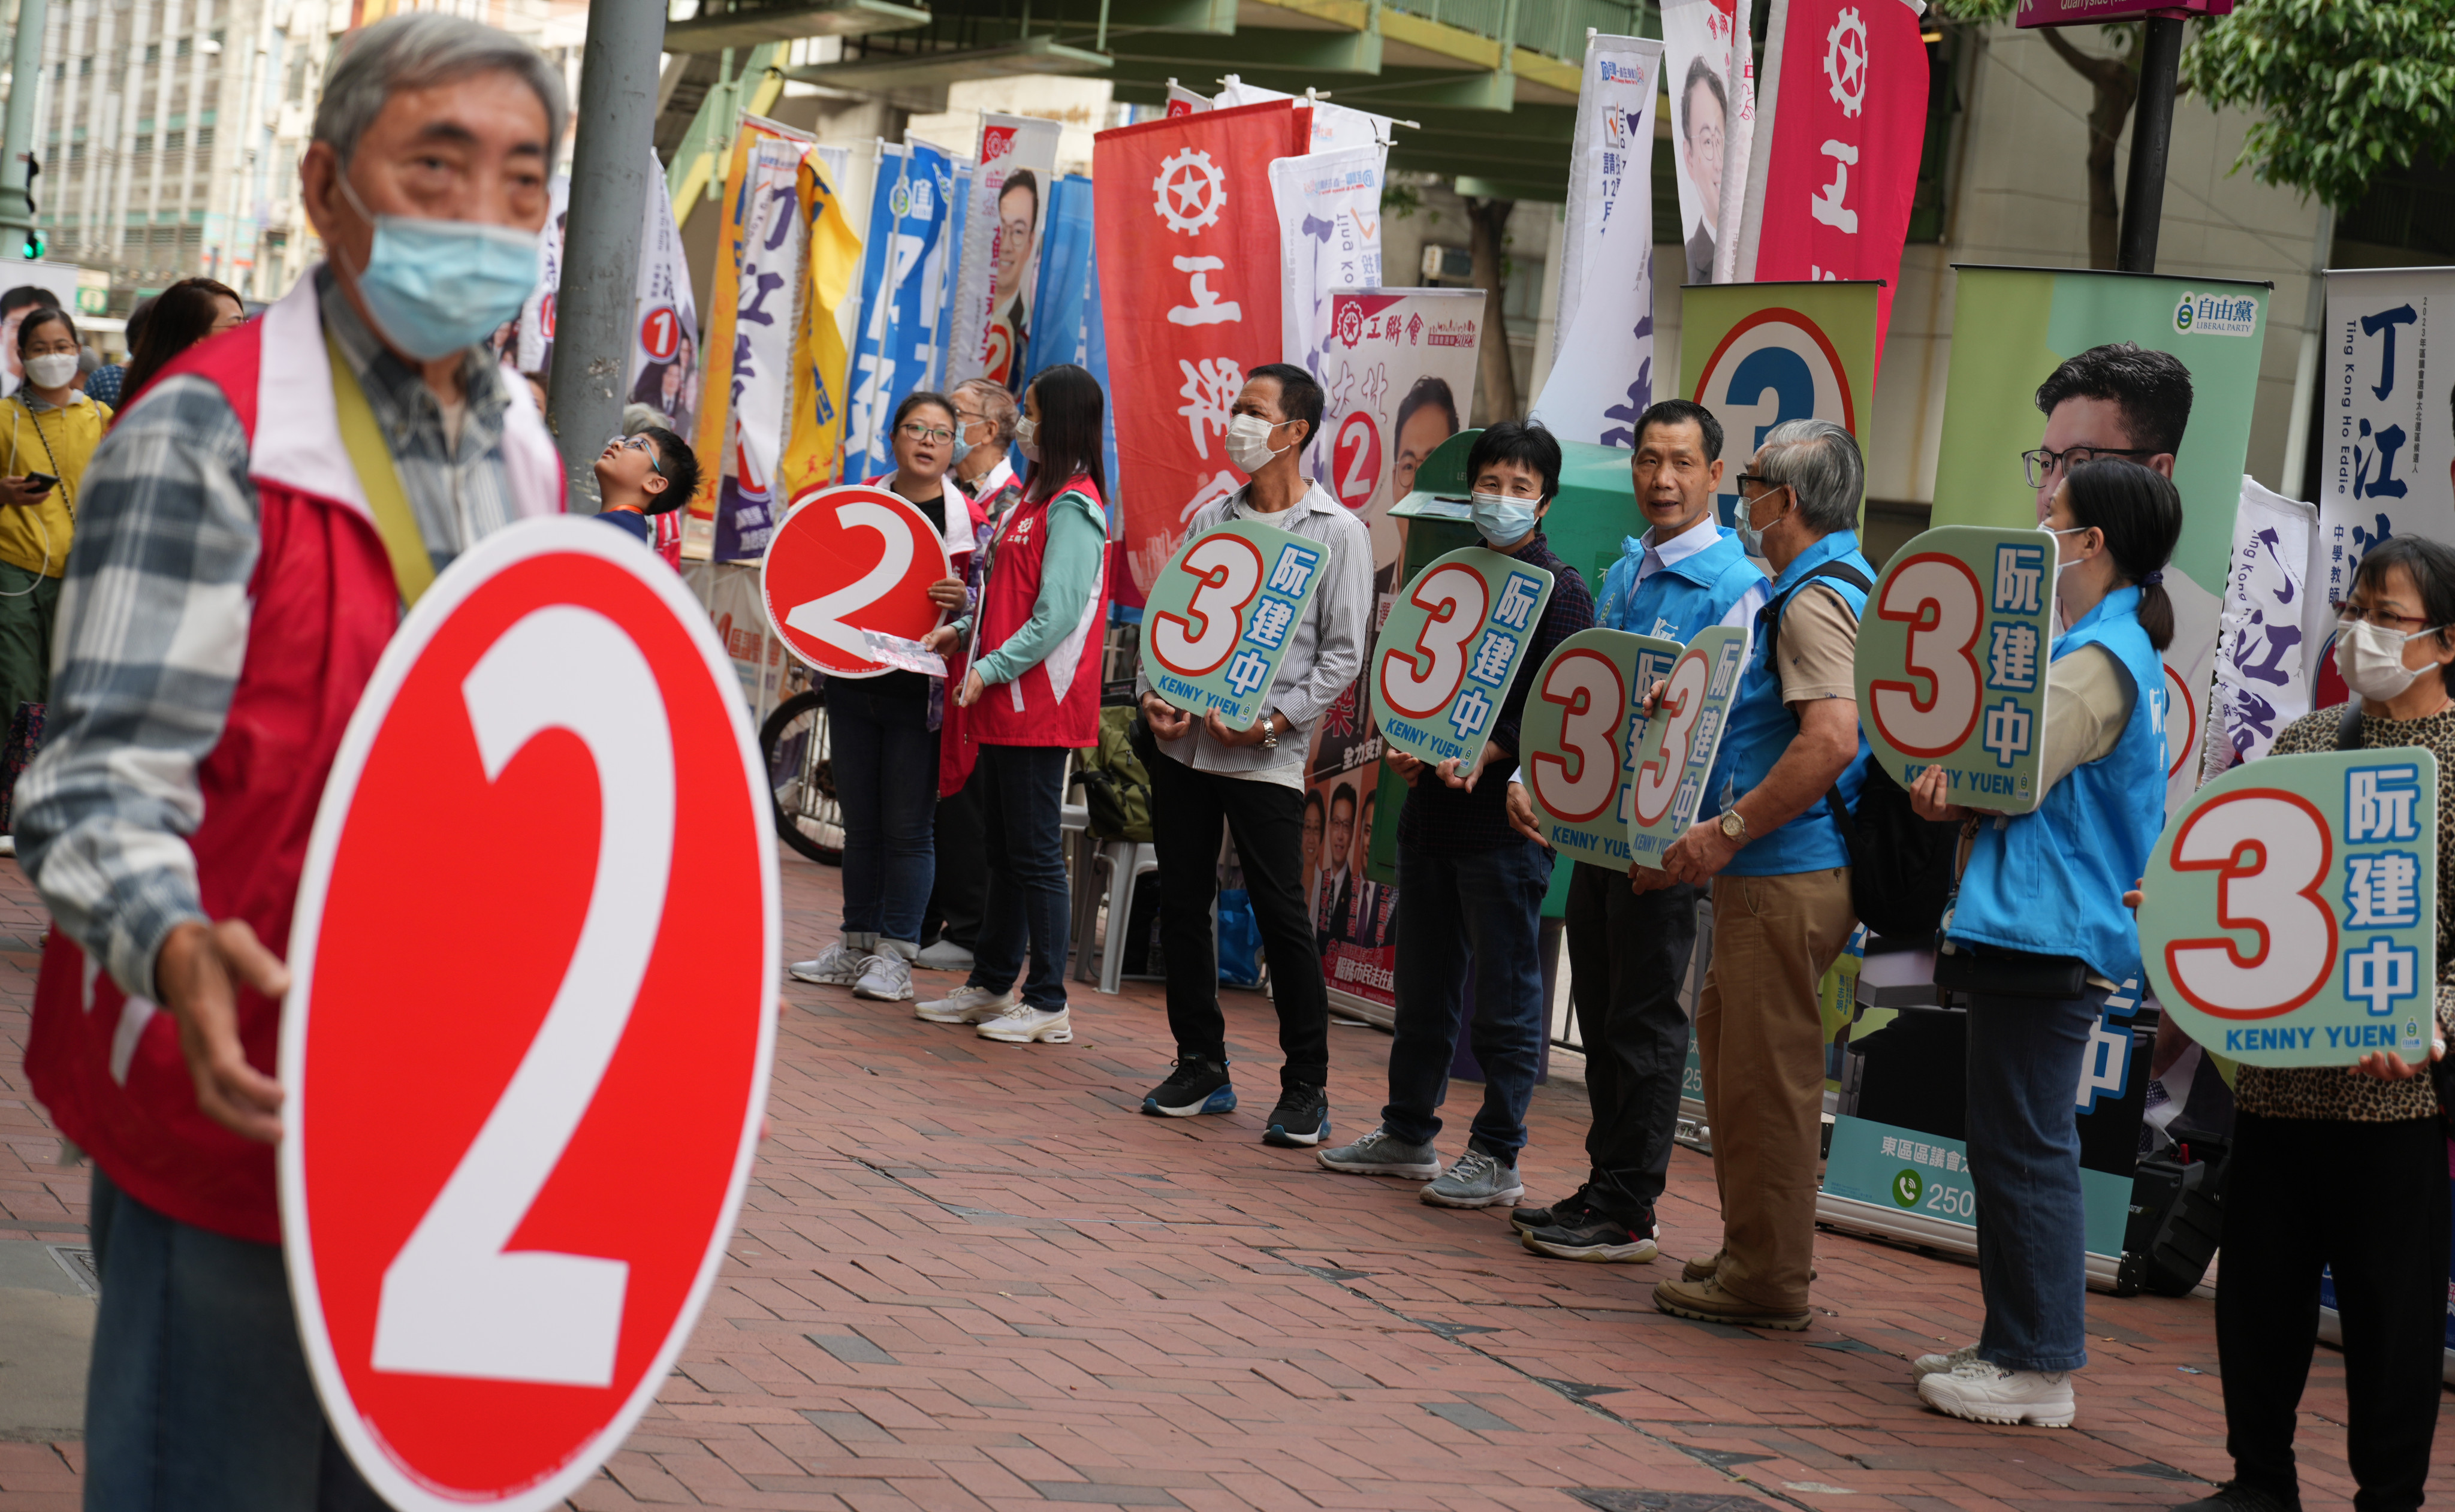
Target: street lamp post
17	154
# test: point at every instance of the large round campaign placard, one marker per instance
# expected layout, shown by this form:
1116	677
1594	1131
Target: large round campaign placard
1573	740
1774	364
527	1042
2290	911
1222	613
1447	654
849	560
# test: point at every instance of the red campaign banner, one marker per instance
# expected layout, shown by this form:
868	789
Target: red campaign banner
1189	244
1841	127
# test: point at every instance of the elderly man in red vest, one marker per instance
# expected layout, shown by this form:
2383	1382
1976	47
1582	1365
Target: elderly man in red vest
248	535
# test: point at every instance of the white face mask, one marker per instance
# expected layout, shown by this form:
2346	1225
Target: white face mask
51	371
2371	659
1027	438
1248	442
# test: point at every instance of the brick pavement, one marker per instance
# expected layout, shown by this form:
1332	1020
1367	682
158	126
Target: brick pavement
969	1276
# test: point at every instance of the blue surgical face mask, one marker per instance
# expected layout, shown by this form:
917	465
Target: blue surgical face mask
1503	520
435	287
1750	534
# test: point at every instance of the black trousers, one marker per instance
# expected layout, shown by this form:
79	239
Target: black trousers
962	885
2369	1200
1628	955
1187	808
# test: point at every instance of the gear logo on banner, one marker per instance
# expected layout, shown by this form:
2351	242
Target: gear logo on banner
1350	322
1190	191
1845	61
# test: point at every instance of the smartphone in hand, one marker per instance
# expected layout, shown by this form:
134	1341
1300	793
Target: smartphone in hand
41	482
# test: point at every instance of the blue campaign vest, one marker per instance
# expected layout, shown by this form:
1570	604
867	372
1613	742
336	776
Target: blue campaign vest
2051	882
1762	727
1684	598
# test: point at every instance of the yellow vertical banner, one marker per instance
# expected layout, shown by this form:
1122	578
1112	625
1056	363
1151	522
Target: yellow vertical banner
715	394
820	358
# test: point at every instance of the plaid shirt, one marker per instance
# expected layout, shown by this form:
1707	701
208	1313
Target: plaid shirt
153	630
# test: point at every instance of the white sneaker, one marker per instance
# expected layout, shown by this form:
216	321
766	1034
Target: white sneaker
1987	1393
966	1005
1925	1365
838	965
1022	1024
944	956
909	950
886	977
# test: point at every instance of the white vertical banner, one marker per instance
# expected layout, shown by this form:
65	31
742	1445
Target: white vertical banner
999	266
2387	438
2263	683
1738	143
1333	126
1602	370
664	322
773	244
532	348
1697	38
1330	238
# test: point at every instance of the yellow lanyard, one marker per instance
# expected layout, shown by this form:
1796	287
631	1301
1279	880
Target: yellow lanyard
412	568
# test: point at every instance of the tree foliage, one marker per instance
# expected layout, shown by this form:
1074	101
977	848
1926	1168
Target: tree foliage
2344	89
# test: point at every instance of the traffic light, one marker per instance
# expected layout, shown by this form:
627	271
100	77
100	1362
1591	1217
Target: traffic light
35	244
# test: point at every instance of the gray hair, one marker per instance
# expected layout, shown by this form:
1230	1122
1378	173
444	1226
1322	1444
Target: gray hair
1821	462
997	406
419	50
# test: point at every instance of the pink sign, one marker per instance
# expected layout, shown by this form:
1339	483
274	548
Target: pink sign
2098	12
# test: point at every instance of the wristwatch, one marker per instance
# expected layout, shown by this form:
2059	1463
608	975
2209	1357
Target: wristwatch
1270	731
1734	825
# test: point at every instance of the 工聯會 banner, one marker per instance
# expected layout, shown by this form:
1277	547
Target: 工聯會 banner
999	261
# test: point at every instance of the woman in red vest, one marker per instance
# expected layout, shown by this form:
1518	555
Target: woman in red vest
1031	697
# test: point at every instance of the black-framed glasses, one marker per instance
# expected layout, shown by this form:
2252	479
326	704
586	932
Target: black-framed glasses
927	432
2043	464
1768	484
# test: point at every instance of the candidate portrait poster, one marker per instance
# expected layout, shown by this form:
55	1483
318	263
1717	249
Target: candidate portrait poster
998	262
1711	108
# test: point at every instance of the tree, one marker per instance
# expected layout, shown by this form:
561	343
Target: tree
1487	240
2344	89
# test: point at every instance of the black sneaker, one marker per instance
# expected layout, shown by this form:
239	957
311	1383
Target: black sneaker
1569	1209
2235	1497
1591	1237
1195	1086
1301	1118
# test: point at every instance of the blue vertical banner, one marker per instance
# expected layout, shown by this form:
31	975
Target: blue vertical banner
958	212
1065	320
903	291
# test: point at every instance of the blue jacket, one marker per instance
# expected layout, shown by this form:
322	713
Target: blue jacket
1684	598
2051	882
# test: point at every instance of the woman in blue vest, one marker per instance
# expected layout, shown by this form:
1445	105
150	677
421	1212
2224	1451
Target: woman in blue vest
2039	944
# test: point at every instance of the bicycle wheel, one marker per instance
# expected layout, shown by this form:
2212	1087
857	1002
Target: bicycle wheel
794	741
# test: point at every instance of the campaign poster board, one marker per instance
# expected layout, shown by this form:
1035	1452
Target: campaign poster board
1573	738
2290	917
1222	613
1328	206
1398	368
1713	109
1675	753
1449	649
1952	659
2016	326
847	562
998	260
1758	355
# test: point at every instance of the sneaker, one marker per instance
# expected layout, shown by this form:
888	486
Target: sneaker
1988	1393
904	949
944	956
1023	1024
1706	1302
1301	1119
2235	1497
1925	1365
1377	1154
838	965
1478	1179
886	977
1197	1085
966	1004
1593	1236
1704	1269
1567	1210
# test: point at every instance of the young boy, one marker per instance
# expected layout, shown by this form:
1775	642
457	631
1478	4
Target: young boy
652	472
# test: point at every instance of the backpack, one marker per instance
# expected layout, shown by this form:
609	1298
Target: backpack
1900	866
1116	785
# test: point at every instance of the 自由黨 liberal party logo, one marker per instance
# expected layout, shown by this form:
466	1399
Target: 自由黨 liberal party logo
2210	314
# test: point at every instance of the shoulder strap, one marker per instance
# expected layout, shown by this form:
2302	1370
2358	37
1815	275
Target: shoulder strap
2348	727
412	568
1768	616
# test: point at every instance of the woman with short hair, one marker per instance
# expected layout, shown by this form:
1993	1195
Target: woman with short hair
52	428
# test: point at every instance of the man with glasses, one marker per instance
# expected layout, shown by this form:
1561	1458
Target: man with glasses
647	474
2116	400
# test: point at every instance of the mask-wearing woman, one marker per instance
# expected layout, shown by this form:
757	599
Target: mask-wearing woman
52	428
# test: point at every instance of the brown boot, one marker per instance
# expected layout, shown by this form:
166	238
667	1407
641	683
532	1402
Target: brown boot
1706	1302
1701	1270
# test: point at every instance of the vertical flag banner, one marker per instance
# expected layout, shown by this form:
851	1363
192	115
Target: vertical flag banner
1696	51
902	285
1182	101
1000	252
1330	238
2035	319
1329	128
1067	312
1838	134
532	347
2263	677
1758	355
1602	373
757	279
664	344
833	258
2387	442
1188	247
1738	147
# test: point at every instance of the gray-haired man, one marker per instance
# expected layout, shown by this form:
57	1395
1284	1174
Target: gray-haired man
234	577
1780	875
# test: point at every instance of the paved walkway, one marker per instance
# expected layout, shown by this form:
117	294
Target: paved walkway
970	1276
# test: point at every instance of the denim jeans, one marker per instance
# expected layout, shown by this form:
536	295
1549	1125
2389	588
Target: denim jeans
1486	905
885	761
198	1397
1023	788
2025	1060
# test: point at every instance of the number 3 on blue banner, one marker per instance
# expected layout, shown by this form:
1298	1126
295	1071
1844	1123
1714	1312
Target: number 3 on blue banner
1222	613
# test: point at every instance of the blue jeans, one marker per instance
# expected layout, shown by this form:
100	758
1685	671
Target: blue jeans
198	1397
2025	1060
1487	906
1027	903
885	761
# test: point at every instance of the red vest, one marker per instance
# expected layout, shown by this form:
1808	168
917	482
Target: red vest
1057	701
108	1067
